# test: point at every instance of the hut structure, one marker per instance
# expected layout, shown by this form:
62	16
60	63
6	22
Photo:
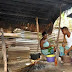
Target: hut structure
17	13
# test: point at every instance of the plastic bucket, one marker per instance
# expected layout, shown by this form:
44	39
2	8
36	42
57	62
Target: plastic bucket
50	58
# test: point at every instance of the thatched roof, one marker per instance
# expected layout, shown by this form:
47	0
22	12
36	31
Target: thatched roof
27	10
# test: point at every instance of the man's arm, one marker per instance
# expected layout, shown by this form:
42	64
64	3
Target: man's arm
70	49
66	51
64	41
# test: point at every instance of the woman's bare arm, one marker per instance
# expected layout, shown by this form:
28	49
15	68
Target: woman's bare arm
41	45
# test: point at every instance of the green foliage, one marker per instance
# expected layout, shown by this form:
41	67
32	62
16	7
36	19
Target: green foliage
65	21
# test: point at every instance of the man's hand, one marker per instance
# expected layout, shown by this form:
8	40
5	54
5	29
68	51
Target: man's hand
66	52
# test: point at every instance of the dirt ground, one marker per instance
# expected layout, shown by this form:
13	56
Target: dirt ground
18	66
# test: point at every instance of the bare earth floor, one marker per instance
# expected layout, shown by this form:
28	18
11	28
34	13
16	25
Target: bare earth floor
50	67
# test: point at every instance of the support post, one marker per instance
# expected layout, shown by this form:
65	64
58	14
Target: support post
4	51
37	25
57	50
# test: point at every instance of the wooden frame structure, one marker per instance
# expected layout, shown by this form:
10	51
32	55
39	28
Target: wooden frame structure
4	51
37	25
57	50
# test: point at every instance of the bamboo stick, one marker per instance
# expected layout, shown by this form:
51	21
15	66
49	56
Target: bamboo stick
37	32
57	50
4	51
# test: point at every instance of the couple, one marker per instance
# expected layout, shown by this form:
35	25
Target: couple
47	48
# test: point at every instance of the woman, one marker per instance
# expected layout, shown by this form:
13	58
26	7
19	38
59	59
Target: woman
46	48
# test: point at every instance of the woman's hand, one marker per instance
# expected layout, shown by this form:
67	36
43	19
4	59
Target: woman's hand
52	46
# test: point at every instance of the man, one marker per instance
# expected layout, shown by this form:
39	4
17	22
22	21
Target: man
46	48
67	37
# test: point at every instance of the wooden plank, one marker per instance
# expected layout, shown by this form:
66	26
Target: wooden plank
11	34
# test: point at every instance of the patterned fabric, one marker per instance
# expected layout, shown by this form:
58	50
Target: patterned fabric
48	51
46	44
62	50
45	52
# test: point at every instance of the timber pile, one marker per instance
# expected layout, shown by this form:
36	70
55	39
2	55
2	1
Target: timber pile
19	50
8	42
9	39
32	46
18	53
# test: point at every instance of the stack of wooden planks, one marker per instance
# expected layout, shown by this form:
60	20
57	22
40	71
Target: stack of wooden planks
18	53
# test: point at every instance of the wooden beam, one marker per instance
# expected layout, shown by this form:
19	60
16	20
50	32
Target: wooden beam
37	32
57	50
4	51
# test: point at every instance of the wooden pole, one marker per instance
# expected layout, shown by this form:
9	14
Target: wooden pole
37	32
57	50
4	51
